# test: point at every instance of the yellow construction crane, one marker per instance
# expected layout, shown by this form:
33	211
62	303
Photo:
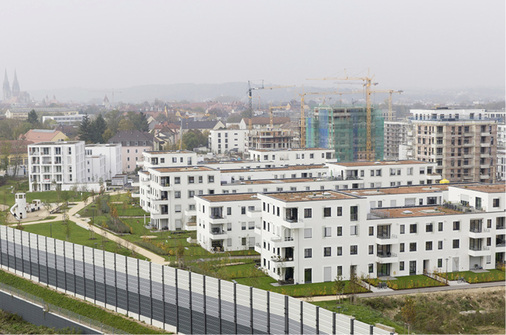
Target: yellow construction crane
369	153
271	118
251	89
390	92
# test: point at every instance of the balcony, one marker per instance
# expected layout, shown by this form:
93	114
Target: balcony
254	213
292	223
484	155
283	261
479	232
218	234
485	166
485	134
190	212
386	239
485	176
478	251
386	257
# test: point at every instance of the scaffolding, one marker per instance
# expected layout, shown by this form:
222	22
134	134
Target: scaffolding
344	129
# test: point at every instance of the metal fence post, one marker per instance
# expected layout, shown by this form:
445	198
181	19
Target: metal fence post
190	300
371	329
235	307
139	287
205	301
286	314
302	317
219	305
251	309
1	250
55	263
317	320
334	323
352	326
177	303
268	312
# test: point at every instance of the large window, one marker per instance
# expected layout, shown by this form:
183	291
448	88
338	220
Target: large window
353	249
412	246
354	213
456	225
412	228
308	213
456	244
428	245
339	211
307	276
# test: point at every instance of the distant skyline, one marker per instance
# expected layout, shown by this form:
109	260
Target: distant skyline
117	44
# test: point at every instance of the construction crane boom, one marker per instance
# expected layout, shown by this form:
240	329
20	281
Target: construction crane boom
390	92
251	89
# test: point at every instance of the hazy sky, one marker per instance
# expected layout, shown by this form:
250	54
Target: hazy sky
113	44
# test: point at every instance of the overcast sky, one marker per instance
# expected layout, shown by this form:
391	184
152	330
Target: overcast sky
113	44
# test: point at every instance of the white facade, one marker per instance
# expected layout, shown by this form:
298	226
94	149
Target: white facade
112	159
227	222
228	140
179	158
95	168
55	163
64	119
315	236
293	156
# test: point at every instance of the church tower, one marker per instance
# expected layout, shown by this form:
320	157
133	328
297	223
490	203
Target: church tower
15	86
7	88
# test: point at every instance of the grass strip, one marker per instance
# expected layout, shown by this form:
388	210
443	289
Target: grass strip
77	306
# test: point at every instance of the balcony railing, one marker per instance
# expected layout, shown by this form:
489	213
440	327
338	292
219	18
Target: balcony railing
386	236
386	254
478	248
479	230
218	232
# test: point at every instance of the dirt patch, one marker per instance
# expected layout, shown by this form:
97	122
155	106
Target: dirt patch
3	207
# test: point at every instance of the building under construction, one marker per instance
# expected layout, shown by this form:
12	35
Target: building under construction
344	129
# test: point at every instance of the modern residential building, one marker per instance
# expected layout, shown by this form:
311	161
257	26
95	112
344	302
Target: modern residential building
228	141
315	236
501	151
178	158
292	156
396	134
275	139
133	144
65	120
462	143
111	154
21	113
53	165
345	130
227	222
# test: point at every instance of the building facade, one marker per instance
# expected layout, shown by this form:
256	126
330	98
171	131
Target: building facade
396	134
133	144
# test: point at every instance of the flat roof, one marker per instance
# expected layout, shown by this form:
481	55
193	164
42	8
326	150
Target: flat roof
169	152
182	169
486	188
281	168
380	163
56	143
229	197
412	212
288	150
401	190
310	196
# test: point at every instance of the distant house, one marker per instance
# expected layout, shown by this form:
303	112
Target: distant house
134	143
188	124
43	135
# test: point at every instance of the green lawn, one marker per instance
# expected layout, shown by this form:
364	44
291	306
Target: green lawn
8	190
472	277
78	235
362	312
409	282
77	306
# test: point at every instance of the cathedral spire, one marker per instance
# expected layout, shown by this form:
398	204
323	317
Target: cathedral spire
15	86
7	87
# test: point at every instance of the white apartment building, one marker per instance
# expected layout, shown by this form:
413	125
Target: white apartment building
55	164
501	151
228	140
292	156
315	236
395	134
112	160
66	120
179	158
227	222
95	168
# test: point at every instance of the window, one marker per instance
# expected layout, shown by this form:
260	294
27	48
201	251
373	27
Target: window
326	212
339	270
489	223
401	247
353	249
243	210
191	179
339	231
210	179
308	253
412	246
440	226
354	213
371	249
339	211
412	228
308	213
401	266
440	263
229	210
440	245
327	231
201	179
371	268
327	251
428	245
177	180
402	229
308	232
177	194
456	244
456	225
243	241
371	231
428	228
489	241
177	208
339	251
229	226
191	194
243	226
495	202
353	230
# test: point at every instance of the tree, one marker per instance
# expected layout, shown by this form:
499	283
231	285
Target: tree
408	312
139	121
126	124
32	117
193	139
113	118
354	286
85	130
339	287
98	127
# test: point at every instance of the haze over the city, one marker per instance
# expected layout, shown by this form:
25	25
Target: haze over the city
116	44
